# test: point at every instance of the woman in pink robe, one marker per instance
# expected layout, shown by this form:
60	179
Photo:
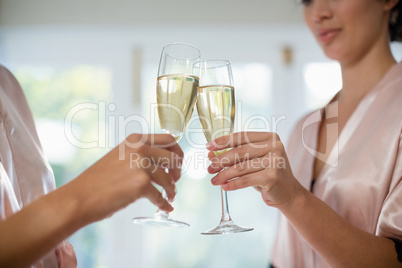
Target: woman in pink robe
339	185
25	174
35	217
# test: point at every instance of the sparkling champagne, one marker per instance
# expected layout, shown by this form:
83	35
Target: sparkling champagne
176	97
216	108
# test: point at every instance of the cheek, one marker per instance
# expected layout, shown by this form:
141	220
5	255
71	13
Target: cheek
361	14
308	19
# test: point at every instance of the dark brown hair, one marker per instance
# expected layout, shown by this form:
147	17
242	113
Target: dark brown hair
395	22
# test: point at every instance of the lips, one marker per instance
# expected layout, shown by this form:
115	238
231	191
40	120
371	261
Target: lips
327	35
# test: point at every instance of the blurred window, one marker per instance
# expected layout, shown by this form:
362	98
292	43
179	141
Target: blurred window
53	95
323	80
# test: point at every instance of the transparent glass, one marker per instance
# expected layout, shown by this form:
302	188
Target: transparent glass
216	109
177	86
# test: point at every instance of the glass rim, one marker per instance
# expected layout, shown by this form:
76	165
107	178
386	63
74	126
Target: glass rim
183	44
213	63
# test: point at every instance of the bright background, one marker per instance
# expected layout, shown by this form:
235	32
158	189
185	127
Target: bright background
102	56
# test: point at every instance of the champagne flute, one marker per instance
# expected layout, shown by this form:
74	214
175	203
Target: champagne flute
216	109
176	91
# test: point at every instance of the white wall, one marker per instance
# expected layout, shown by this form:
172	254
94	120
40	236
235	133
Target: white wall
148	12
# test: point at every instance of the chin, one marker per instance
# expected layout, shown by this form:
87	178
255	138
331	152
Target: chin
333	53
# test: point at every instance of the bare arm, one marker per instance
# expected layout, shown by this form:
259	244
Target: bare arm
112	183
336	240
340	243
37	228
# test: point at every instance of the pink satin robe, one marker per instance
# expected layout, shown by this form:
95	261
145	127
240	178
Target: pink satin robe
362	181
25	174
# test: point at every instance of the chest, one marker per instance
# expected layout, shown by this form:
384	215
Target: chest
334	119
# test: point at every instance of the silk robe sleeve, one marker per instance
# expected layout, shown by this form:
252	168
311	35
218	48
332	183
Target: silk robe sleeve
25	174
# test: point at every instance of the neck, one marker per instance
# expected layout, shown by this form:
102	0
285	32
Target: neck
361	76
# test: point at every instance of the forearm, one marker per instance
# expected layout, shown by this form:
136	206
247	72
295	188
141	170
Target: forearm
39	227
335	239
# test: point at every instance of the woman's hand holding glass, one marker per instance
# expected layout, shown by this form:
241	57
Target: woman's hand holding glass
258	159
127	173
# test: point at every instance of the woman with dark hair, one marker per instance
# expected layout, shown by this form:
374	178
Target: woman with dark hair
338	186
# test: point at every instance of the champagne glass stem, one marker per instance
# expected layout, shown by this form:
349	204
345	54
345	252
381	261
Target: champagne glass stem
161	218
161	214
226	225
225	207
